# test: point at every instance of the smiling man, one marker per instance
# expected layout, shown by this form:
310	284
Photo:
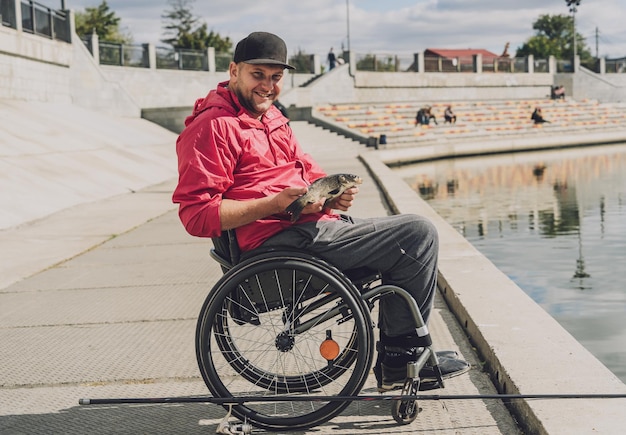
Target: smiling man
239	164
257	72
240	167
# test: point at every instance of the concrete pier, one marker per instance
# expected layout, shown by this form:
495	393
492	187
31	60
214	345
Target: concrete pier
99	299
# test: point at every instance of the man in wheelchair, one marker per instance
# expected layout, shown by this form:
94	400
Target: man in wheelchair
240	167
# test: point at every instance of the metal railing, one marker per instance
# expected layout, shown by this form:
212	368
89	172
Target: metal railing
463	64
442	64
54	24
7	11
182	59
615	66
222	60
564	66
123	54
385	62
541	66
37	19
138	55
506	65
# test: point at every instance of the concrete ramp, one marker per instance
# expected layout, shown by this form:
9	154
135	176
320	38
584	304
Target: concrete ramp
56	155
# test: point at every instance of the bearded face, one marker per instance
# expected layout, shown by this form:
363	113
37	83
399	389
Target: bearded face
256	86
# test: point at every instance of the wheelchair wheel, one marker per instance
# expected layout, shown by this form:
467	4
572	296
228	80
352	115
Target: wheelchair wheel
284	324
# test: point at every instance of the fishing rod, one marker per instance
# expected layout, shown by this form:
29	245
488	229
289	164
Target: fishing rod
259	399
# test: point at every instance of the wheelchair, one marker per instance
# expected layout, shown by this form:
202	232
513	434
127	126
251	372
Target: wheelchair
284	324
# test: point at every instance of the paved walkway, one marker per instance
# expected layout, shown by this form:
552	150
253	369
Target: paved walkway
110	311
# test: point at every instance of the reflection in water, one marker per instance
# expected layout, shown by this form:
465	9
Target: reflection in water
555	223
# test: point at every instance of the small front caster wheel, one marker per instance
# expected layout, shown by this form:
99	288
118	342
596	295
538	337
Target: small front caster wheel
404	411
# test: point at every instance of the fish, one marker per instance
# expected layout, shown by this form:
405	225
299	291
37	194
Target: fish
329	187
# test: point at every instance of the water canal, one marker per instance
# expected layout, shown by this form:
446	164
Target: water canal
555	223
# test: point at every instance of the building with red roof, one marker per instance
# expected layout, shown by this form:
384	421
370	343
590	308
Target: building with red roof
452	59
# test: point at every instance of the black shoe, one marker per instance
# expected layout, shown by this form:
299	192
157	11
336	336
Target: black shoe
451	354
391	378
450	367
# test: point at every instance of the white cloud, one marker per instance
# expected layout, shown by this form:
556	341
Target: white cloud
392	26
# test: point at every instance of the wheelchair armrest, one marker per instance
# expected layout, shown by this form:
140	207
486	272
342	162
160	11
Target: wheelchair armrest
223	261
226	249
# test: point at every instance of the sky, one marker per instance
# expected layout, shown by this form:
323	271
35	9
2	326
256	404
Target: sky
400	27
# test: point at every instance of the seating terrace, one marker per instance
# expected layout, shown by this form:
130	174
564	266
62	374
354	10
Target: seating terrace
482	120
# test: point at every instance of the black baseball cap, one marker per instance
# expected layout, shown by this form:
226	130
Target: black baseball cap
262	48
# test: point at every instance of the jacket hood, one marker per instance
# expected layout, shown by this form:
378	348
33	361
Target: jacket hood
220	98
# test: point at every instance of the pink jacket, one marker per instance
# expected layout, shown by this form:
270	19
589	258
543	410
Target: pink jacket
225	153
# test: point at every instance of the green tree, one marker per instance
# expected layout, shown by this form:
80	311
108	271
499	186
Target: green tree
301	61
554	37
184	30
103	21
372	62
179	22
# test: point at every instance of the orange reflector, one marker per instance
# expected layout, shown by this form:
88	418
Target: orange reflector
329	349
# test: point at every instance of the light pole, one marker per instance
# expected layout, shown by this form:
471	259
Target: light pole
348	22
573	5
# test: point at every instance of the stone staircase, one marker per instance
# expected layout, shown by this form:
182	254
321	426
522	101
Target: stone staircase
476	120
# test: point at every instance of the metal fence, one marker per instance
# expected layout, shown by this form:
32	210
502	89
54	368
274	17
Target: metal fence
7	11
506	65
54	24
123	54
191	60
37	19
564	66
385	62
138	55
541	66
615	65
442	64
222	60
462	64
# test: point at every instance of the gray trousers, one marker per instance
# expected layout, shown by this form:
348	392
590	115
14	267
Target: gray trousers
403	247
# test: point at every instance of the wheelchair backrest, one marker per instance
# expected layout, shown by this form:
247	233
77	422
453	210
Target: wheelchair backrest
226	249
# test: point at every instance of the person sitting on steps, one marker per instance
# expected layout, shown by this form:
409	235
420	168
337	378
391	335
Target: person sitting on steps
424	115
558	93
537	116
449	115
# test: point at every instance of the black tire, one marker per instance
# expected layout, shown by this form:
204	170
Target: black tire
252	339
